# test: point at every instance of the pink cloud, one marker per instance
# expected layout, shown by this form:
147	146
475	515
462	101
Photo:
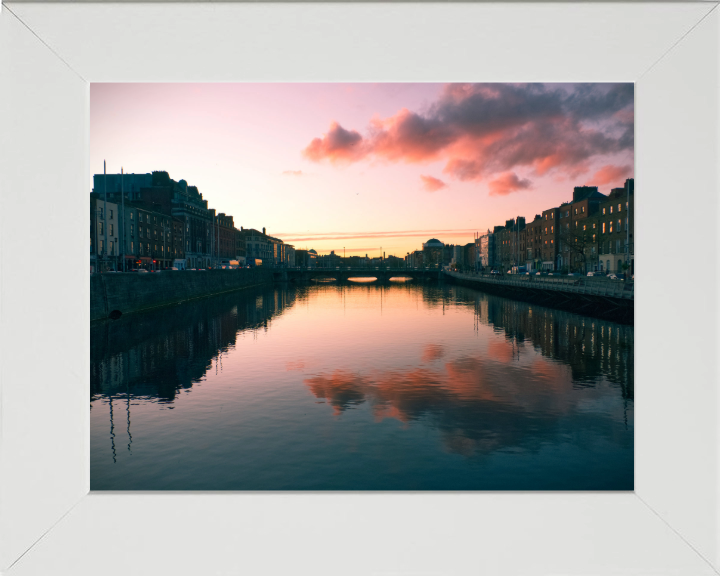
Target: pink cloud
485	130
508	183
432	184
293	173
610	174
337	145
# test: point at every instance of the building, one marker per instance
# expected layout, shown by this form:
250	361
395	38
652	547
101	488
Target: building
433	253
331	260
486	250
306	258
532	244
104	235
224	245
158	193
508	246
240	251
615	221
591	232
576	250
257	245
130	184
549	239
457	256
289	255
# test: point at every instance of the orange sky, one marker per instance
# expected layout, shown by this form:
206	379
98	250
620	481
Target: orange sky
364	166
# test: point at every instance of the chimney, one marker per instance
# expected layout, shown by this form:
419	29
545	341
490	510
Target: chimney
241	227
263	229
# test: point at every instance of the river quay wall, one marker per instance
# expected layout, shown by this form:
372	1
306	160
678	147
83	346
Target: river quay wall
128	292
600	298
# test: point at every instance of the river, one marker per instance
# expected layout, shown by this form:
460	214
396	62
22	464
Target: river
361	386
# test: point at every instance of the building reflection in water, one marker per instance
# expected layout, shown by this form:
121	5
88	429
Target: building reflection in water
157	354
498	376
495	399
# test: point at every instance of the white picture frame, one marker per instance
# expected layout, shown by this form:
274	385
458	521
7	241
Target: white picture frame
51	524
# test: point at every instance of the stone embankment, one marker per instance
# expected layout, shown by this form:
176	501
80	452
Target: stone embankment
612	300
113	294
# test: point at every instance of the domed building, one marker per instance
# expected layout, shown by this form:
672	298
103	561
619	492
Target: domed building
433	252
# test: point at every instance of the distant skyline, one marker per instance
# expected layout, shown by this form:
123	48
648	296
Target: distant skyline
364	166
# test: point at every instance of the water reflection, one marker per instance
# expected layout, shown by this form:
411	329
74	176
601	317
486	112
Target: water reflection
154	355
361	386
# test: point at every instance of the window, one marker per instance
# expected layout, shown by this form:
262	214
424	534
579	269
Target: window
100	228
141	248
611	209
552	215
576	211
155	220
583	209
617	245
567	226
132	247
111	214
626	220
552	241
619	207
593	237
592	250
101	247
603	227
100	214
603	211
155	234
112	230
576	224
619	225
594	223
131	215
546	217
611	223
132	228
567	214
140	216
112	248
584	227
147	246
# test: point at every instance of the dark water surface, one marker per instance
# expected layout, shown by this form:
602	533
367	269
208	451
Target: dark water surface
361	387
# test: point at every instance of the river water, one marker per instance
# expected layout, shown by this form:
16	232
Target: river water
361	386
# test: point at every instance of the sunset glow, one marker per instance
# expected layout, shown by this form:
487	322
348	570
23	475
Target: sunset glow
362	168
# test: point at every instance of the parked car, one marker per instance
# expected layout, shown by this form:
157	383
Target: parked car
142	271
613	277
573	274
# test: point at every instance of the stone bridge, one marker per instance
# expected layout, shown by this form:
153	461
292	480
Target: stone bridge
344	274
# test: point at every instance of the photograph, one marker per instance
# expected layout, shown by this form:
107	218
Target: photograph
361	286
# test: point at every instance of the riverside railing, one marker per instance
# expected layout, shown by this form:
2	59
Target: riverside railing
573	284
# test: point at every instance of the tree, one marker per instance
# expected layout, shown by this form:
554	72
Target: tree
575	244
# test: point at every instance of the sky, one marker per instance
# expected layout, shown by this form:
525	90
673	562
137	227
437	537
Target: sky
360	168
